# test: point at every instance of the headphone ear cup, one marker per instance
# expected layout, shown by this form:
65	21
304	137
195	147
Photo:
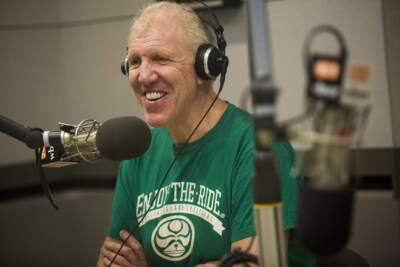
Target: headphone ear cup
125	66
208	62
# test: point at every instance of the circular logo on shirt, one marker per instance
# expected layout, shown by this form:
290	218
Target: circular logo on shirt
173	238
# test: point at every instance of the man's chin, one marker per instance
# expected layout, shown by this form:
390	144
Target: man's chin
155	122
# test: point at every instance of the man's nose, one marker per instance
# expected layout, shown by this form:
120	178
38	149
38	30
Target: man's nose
147	73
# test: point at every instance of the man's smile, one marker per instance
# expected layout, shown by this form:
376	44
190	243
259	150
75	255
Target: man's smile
154	95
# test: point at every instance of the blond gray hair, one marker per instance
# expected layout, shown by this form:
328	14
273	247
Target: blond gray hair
197	32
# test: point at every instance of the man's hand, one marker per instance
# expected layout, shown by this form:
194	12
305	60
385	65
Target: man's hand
131	254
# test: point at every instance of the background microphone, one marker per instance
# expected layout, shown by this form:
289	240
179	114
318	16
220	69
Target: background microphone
326	202
326	199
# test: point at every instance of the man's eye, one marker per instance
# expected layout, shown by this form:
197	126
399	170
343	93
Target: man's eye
134	62
160	60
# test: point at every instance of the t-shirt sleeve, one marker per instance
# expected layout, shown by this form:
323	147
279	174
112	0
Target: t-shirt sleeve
290	182
123	212
242	225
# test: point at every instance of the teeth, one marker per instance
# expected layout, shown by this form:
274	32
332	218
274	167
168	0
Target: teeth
154	95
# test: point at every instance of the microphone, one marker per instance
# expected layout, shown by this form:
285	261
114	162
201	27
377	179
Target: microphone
123	138
325	202
326	199
116	139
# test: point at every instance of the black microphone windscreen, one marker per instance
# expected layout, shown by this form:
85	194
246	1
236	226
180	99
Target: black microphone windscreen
324	219
123	138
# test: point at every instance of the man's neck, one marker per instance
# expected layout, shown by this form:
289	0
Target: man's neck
181	132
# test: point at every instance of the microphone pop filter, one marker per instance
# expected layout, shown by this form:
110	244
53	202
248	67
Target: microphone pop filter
123	138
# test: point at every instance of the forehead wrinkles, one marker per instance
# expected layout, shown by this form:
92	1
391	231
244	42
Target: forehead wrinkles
149	44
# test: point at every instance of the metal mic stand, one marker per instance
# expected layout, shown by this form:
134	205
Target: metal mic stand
267	199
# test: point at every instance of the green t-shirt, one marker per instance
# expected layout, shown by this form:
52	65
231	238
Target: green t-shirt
205	202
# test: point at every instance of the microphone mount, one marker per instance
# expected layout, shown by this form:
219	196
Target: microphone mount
71	144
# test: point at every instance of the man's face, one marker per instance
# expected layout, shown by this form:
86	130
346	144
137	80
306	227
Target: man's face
161	72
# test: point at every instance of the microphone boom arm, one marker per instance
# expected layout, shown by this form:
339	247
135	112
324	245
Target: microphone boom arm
32	137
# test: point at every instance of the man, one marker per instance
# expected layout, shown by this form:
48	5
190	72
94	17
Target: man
203	207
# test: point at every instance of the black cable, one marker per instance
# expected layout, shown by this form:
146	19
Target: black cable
250	244
237	256
43	180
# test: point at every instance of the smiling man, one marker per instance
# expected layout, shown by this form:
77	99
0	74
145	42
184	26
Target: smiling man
184	204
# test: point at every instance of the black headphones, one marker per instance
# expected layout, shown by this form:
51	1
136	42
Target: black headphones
210	61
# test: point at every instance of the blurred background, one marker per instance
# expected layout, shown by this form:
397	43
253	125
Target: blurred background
60	61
